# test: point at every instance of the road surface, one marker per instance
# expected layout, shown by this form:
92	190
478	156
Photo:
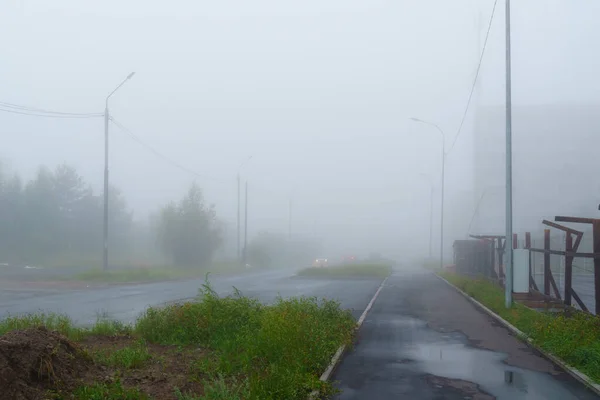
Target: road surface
422	340
126	302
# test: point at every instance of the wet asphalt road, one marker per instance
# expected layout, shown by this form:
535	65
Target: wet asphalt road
422	340
125	303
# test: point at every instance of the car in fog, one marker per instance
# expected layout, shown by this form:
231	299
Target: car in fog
319	262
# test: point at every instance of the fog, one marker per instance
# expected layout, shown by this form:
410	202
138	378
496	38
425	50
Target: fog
320	94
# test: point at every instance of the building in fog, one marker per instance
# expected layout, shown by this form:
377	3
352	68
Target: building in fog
556	168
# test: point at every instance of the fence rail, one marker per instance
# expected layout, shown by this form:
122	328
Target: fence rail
558	271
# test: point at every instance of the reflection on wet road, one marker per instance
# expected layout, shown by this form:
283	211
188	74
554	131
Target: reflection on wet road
399	356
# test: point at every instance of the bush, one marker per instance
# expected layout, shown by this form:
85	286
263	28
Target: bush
277	351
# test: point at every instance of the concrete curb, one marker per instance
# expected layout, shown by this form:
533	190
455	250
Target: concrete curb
337	357
578	375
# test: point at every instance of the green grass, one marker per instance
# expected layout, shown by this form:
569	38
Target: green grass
134	275
350	270
112	391
64	325
219	389
264	352
573	337
152	274
255	351
130	357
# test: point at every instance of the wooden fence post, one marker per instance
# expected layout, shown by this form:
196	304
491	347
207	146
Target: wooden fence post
547	262
568	268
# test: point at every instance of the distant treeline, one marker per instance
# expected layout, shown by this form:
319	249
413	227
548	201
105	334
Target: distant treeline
56	219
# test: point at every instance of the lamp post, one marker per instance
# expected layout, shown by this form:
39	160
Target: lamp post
443	181
428	178
238	207
509	215
106	118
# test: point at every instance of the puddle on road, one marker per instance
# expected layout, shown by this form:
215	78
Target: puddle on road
450	358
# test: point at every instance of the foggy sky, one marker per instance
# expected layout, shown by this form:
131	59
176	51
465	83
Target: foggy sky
319	93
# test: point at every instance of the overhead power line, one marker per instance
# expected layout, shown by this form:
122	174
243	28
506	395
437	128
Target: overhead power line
156	152
48	115
462	121
41	112
168	160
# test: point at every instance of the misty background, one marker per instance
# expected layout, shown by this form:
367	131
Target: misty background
320	95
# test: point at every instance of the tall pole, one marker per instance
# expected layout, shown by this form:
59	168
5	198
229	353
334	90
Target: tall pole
442	205
290	221
105	219
431	201
509	228
106	119
443	184
238	208
246	225
431	224
238	218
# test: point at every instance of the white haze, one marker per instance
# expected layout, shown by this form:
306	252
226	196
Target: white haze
319	93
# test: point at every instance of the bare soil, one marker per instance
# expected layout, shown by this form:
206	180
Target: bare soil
35	363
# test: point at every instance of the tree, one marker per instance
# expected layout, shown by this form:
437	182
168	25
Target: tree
56	218
11	210
189	231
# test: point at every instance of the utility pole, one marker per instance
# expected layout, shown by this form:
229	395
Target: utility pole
238	217
442	206
509	228
290	221
443	184
105	221
238	208
431	188
431	224
106	119
246	226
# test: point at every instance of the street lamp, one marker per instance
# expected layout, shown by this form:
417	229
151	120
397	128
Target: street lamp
106	118
509	214
428	178
238	206
443	171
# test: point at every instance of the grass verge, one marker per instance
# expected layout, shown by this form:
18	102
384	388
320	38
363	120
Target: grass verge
134	275
152	274
572	336
231	348
348	271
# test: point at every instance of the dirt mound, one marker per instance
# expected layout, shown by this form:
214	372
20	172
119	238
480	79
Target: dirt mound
34	361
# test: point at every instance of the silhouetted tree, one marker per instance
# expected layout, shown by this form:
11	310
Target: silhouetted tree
189	231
